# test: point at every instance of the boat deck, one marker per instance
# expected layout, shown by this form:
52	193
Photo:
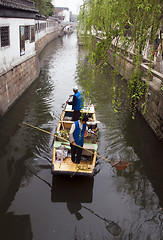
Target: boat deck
67	165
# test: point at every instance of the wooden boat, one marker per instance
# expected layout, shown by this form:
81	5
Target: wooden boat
61	161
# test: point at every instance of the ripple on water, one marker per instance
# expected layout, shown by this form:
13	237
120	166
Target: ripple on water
115	147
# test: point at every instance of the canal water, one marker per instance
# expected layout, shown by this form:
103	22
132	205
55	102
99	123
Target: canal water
114	204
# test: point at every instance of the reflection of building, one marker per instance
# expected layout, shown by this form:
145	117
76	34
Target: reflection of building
16	227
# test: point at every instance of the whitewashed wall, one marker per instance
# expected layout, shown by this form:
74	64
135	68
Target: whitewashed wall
51	26
10	55
39	34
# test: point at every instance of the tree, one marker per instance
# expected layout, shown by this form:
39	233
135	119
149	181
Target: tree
45	7
129	25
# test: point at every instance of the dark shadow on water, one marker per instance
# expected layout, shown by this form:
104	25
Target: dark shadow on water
149	150
72	189
16	227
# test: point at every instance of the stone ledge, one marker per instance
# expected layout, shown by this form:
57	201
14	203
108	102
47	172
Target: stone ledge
4	71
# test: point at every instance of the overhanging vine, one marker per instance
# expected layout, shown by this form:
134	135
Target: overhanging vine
123	26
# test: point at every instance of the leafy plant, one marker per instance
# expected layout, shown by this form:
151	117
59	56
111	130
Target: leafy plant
123	26
45	7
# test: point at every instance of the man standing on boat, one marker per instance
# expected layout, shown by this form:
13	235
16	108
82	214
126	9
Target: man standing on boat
77	104
76	137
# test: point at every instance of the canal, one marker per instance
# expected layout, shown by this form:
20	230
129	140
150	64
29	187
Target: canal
114	204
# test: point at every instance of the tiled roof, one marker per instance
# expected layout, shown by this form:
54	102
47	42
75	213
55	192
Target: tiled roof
19	4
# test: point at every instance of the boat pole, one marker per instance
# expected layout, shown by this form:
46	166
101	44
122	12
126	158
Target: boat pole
117	164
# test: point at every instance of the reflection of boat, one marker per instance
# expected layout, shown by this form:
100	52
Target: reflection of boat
61	162
72	191
76	189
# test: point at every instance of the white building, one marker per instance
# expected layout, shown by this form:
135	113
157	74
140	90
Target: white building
66	14
17	41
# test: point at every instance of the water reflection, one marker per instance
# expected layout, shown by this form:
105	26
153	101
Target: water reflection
149	149
76	191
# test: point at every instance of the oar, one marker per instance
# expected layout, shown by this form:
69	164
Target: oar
118	165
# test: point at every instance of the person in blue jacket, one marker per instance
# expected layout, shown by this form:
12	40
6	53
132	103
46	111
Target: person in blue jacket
77	104
76	137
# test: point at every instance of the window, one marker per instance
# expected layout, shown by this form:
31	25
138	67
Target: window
5	38
36	27
42	26
27	33
22	40
32	33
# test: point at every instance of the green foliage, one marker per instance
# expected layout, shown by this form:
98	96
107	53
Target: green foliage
129	25
45	7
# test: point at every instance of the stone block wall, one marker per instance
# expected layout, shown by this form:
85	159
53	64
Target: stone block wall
41	43
14	82
154	106
154	109
123	65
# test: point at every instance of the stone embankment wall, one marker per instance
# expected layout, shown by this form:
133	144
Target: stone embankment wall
15	81
154	106
42	42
